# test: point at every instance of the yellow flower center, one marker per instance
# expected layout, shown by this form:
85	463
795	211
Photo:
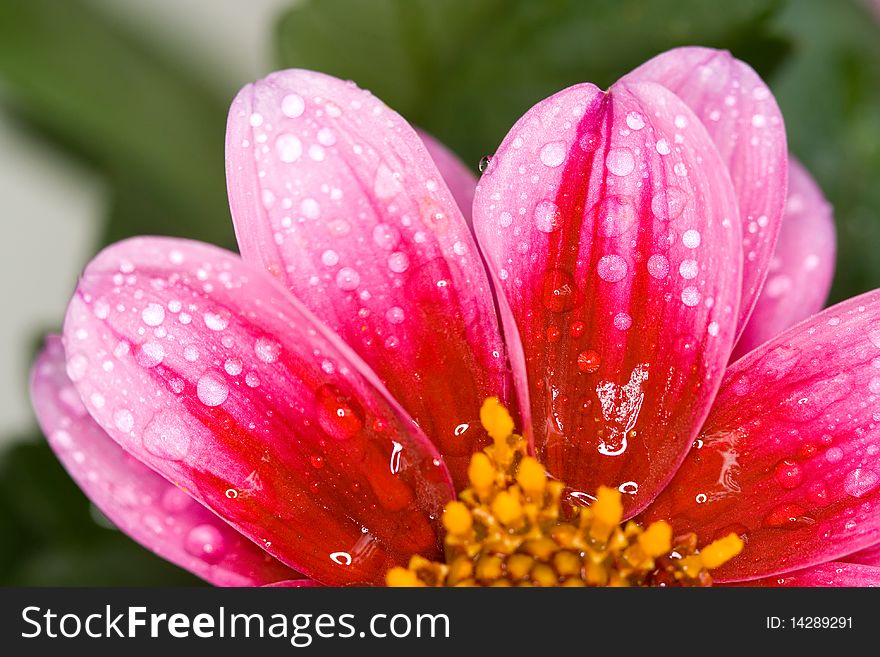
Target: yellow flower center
512	528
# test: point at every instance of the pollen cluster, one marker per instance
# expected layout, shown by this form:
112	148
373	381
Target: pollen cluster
511	527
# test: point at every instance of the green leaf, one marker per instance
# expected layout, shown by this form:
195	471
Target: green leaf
93	87
467	69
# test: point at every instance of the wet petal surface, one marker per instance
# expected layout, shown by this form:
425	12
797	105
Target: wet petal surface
336	196
141	503
611	224
789	458
229	388
742	116
835	573
802	265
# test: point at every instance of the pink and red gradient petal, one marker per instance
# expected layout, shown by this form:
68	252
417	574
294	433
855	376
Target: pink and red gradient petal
155	513
788	456
802	265
835	573
228	387
336	196
744	121
611	223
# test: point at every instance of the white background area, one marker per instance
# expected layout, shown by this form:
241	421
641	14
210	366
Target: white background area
50	206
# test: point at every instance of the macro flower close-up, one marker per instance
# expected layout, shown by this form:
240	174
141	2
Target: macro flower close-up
604	362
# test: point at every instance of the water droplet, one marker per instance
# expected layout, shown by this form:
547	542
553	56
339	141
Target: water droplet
759	121
484	163
153	314
398	262
231	493
559	291
788	474
668	204
292	106
267	350
658	266
288	147
612	268
461	428
340	416
690	296
212	389
688	269
588	361
329	257
860	482
818	494
150	354
547	217
124	420
622	321
577	329
620	161
691	239
663	147
341	558
615	215
635	121
387	183
395	315
216	321
167	437
205	542
347	279
505	219
589	142
834	454
326	137
628	488
787	516
252	380
553	154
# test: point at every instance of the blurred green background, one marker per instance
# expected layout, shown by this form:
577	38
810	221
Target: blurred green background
148	121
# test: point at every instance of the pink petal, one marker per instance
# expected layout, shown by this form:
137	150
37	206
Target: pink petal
869	556
618	251
460	180
743	119
144	505
835	573
335	195
802	265
210	373
295	584
788	457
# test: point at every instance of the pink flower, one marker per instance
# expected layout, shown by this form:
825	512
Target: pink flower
321	393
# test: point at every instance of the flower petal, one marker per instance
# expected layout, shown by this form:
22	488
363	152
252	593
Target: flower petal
460	179
742	116
294	584
869	556
144	505
210	373
802	266
835	573
336	196
788	457
611	223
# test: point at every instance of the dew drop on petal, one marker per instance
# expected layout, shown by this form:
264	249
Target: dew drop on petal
150	354
347	279
658	266
212	389
216	321
690	296
395	315
553	154
153	314
338	415
398	262
688	269
612	268
788	474
205	542
124	420
620	161
860	482
691	239
288	147
547	217
635	121
292	105
267	350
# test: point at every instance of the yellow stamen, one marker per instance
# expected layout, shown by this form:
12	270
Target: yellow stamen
721	551
457	518
656	539
512	527
496	420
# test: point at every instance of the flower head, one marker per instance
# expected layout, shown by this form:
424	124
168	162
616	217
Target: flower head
323	394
